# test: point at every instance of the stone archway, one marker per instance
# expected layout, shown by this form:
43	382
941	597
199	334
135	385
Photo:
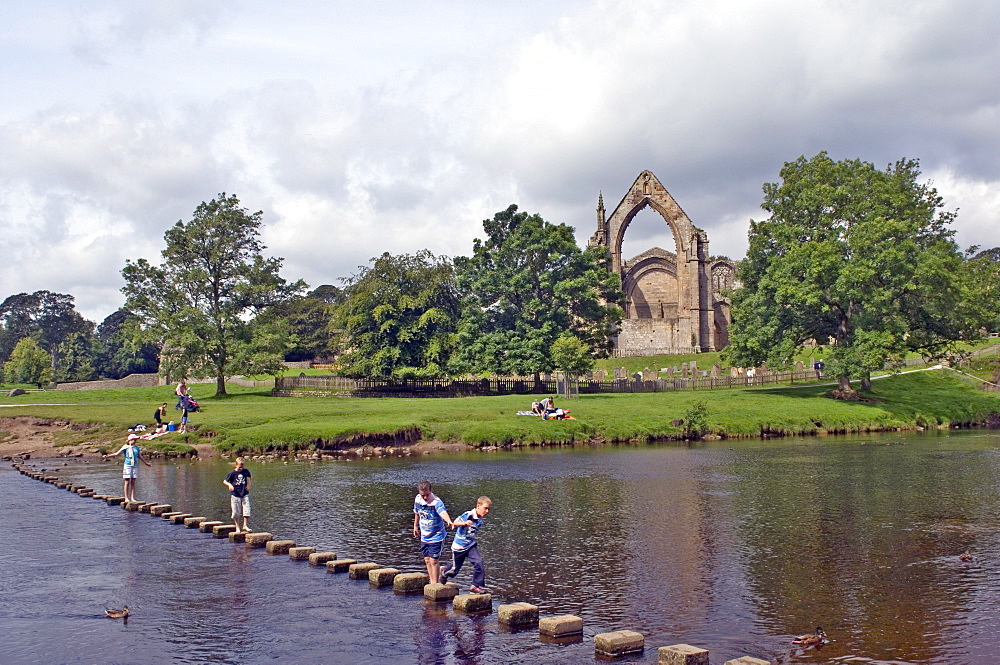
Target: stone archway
670	307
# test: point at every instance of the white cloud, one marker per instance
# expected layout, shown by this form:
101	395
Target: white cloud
359	129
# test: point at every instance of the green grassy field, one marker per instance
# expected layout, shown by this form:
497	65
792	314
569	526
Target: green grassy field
250	419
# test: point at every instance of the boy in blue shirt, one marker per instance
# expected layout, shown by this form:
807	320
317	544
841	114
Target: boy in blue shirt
465	546
430	519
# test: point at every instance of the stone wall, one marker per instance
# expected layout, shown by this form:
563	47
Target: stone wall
130	381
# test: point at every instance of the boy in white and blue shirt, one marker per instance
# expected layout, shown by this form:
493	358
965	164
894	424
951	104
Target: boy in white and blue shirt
464	546
430	522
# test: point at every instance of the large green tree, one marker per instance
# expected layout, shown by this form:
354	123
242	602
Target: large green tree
308	319
199	304
854	254
119	351
29	363
398	317
49	317
525	285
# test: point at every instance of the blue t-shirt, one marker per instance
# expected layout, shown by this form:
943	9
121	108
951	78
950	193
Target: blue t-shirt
432	526
131	453
465	536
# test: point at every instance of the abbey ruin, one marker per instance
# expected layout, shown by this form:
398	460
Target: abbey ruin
676	300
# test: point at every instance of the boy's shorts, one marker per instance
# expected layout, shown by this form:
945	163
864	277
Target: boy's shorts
432	550
130	471
240	506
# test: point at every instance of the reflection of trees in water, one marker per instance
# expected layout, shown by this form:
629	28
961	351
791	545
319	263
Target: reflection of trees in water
864	537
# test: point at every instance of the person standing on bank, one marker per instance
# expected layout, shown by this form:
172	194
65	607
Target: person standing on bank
133	455
238	482
182	392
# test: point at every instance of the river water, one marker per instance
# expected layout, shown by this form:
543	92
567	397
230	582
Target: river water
731	546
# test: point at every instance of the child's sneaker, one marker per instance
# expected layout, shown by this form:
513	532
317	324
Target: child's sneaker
477	589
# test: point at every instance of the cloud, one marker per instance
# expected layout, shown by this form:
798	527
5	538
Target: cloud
362	129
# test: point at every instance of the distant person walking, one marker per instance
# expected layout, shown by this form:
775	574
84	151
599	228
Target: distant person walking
818	367
133	455
238	482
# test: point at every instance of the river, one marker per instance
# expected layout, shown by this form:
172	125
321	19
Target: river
731	546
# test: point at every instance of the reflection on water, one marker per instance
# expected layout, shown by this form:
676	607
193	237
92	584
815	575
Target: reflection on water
735	547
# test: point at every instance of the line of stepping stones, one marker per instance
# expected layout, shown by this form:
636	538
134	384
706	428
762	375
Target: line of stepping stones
560	629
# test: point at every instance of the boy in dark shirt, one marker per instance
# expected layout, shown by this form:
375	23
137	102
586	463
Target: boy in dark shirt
238	481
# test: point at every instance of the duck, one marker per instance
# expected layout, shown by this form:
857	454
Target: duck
811	639
965	556
117	614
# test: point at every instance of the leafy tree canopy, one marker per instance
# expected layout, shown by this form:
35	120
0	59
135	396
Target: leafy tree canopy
199	304
120	351
50	317
526	284
398	317
854	254
29	363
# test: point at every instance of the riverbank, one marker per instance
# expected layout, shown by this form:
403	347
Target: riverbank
252	421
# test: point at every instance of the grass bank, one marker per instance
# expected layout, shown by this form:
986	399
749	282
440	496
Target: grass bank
250	420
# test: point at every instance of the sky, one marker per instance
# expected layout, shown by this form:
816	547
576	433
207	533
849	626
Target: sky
363	128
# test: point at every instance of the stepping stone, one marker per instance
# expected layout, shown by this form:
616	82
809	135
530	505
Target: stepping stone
382	576
240	537
223	530
473	602
560	626
340	565
114	500
410	582
167	516
193	522
279	546
619	643
682	654
359	571
158	510
518	614
145	506
321	558
258	539
747	660
208	525
300	553
439	592
179	518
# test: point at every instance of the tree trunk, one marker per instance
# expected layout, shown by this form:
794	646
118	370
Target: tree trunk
866	381
220	385
845	383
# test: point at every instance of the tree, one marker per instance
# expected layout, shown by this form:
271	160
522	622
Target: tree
308	319
50	317
525	285
983	275
854	254
199	304
571	354
398	317
120	351
29	363
76	359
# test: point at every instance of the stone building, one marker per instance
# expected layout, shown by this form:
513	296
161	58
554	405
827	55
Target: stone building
675	300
